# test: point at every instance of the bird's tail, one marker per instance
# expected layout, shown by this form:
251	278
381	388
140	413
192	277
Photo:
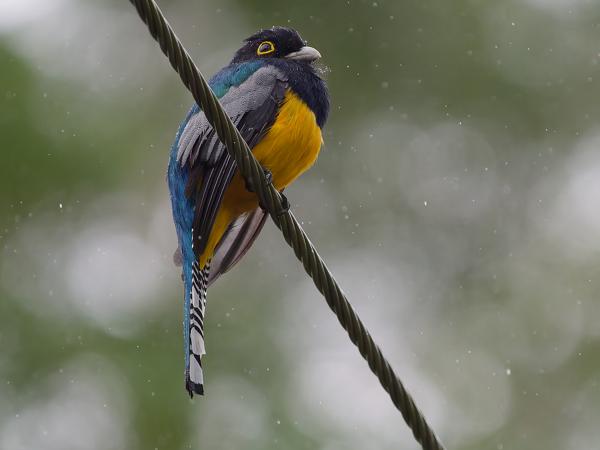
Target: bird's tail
194	380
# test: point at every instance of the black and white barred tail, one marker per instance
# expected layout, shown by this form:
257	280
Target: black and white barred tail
194	380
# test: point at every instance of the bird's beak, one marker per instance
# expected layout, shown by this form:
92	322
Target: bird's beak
305	54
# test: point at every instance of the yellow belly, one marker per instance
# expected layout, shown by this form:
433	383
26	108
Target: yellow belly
289	148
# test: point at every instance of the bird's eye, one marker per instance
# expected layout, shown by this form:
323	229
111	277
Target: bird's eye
265	48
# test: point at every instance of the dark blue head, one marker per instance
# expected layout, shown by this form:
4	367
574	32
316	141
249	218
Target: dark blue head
276	42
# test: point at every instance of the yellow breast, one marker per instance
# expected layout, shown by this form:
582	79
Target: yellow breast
292	144
289	148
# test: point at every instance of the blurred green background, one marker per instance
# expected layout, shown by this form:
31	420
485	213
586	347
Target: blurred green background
457	199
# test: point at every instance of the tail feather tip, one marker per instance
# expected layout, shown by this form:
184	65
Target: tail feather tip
194	388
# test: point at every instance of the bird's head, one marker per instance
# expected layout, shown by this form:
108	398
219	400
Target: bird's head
276	42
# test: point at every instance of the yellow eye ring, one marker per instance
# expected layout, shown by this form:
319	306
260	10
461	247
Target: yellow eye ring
265	48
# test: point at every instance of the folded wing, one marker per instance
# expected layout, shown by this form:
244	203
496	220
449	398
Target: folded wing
253	107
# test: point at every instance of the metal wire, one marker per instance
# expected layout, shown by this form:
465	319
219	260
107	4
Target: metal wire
292	231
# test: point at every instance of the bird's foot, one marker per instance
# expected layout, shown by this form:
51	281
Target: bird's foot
268	176
285	206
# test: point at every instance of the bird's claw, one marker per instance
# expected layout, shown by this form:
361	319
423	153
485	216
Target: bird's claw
285	206
268	176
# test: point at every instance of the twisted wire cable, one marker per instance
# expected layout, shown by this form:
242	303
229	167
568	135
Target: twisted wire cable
293	233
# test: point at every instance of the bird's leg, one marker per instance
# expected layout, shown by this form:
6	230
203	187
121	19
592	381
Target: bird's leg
285	204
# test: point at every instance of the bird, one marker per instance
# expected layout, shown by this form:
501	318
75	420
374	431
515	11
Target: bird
277	98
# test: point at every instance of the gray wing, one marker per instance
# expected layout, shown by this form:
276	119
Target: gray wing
252	106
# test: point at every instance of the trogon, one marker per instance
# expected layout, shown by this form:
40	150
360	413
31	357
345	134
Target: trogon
275	96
